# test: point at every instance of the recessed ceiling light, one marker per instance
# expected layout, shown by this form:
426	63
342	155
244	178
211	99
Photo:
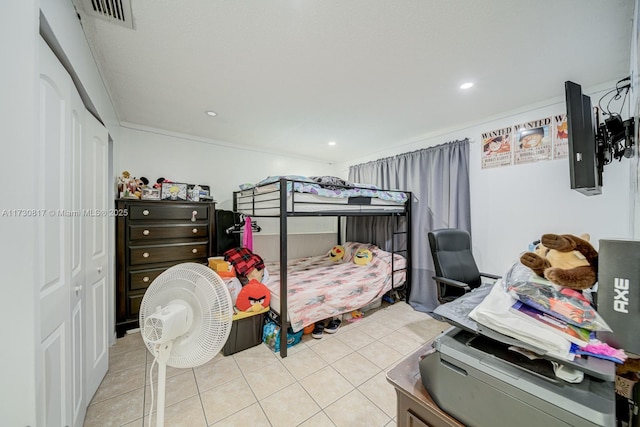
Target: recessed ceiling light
332	143
467	85
211	113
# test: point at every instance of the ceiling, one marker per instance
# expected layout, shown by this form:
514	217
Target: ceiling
290	76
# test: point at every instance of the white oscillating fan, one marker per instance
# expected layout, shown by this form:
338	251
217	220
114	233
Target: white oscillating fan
185	320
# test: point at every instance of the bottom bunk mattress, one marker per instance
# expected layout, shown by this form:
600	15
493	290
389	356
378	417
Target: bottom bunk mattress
319	288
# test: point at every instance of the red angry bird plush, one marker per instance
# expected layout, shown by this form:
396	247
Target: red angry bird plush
254	296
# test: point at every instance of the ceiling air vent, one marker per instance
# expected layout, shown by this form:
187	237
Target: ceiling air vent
115	11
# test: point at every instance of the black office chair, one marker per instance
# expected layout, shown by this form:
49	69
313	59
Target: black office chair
456	269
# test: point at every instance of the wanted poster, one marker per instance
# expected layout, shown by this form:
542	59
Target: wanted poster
497	148
532	141
560	137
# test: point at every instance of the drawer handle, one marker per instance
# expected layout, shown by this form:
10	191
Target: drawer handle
145	279
145	212
145	232
145	255
194	231
194	250
193	216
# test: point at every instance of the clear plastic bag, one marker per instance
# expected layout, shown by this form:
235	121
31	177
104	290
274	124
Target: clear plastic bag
457	311
572	306
271	336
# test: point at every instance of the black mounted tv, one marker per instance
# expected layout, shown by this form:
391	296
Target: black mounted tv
585	172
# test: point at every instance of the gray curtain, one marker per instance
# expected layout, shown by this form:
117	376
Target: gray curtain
438	177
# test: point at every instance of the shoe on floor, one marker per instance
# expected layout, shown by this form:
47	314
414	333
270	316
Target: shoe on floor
333	326
317	330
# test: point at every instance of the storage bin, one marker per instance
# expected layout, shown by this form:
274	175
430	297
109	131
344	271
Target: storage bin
246	332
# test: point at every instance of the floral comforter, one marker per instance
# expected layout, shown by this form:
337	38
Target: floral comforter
329	186
319	288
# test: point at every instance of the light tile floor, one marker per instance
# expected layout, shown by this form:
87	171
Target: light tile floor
338	380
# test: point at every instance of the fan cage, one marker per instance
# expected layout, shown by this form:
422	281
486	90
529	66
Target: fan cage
206	293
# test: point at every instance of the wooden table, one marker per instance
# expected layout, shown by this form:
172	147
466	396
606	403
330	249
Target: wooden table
415	407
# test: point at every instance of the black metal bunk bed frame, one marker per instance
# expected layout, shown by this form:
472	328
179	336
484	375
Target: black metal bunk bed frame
284	213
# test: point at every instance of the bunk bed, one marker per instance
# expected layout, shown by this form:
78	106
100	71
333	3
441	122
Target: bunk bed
288	197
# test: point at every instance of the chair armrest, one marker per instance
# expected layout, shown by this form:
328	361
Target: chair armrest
490	276
452	282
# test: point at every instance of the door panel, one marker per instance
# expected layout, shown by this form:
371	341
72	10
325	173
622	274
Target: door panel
77	363
54	242
95	149
75	235
54	355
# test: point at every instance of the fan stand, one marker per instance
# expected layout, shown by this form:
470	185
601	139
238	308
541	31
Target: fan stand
186	300
162	356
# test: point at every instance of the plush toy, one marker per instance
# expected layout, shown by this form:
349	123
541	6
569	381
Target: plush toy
258	274
630	366
254	296
362	256
336	253
127	186
222	267
565	260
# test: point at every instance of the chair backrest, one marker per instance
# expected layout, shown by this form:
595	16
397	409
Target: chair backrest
452	257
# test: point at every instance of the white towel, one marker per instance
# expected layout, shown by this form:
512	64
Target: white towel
493	312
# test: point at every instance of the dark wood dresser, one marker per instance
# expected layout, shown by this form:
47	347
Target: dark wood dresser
151	237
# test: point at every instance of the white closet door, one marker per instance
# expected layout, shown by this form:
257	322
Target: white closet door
54	244
73	157
95	149
73	245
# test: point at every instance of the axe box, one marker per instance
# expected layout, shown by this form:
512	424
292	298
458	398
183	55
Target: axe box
618	300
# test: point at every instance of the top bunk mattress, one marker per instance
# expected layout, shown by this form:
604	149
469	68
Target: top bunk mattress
306	195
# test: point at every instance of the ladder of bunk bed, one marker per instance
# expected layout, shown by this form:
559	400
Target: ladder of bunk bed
284	316
407	250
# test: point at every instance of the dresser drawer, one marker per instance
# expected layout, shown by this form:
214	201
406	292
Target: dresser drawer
155	211
142	279
167	231
164	253
134	305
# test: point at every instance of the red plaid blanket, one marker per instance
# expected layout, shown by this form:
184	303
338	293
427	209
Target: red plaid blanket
243	260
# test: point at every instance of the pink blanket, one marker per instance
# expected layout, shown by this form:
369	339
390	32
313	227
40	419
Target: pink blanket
319	288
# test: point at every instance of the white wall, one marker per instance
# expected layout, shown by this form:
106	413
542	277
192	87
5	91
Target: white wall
154	153
512	206
18	261
61	17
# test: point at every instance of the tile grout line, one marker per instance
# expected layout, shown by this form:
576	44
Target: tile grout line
243	374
